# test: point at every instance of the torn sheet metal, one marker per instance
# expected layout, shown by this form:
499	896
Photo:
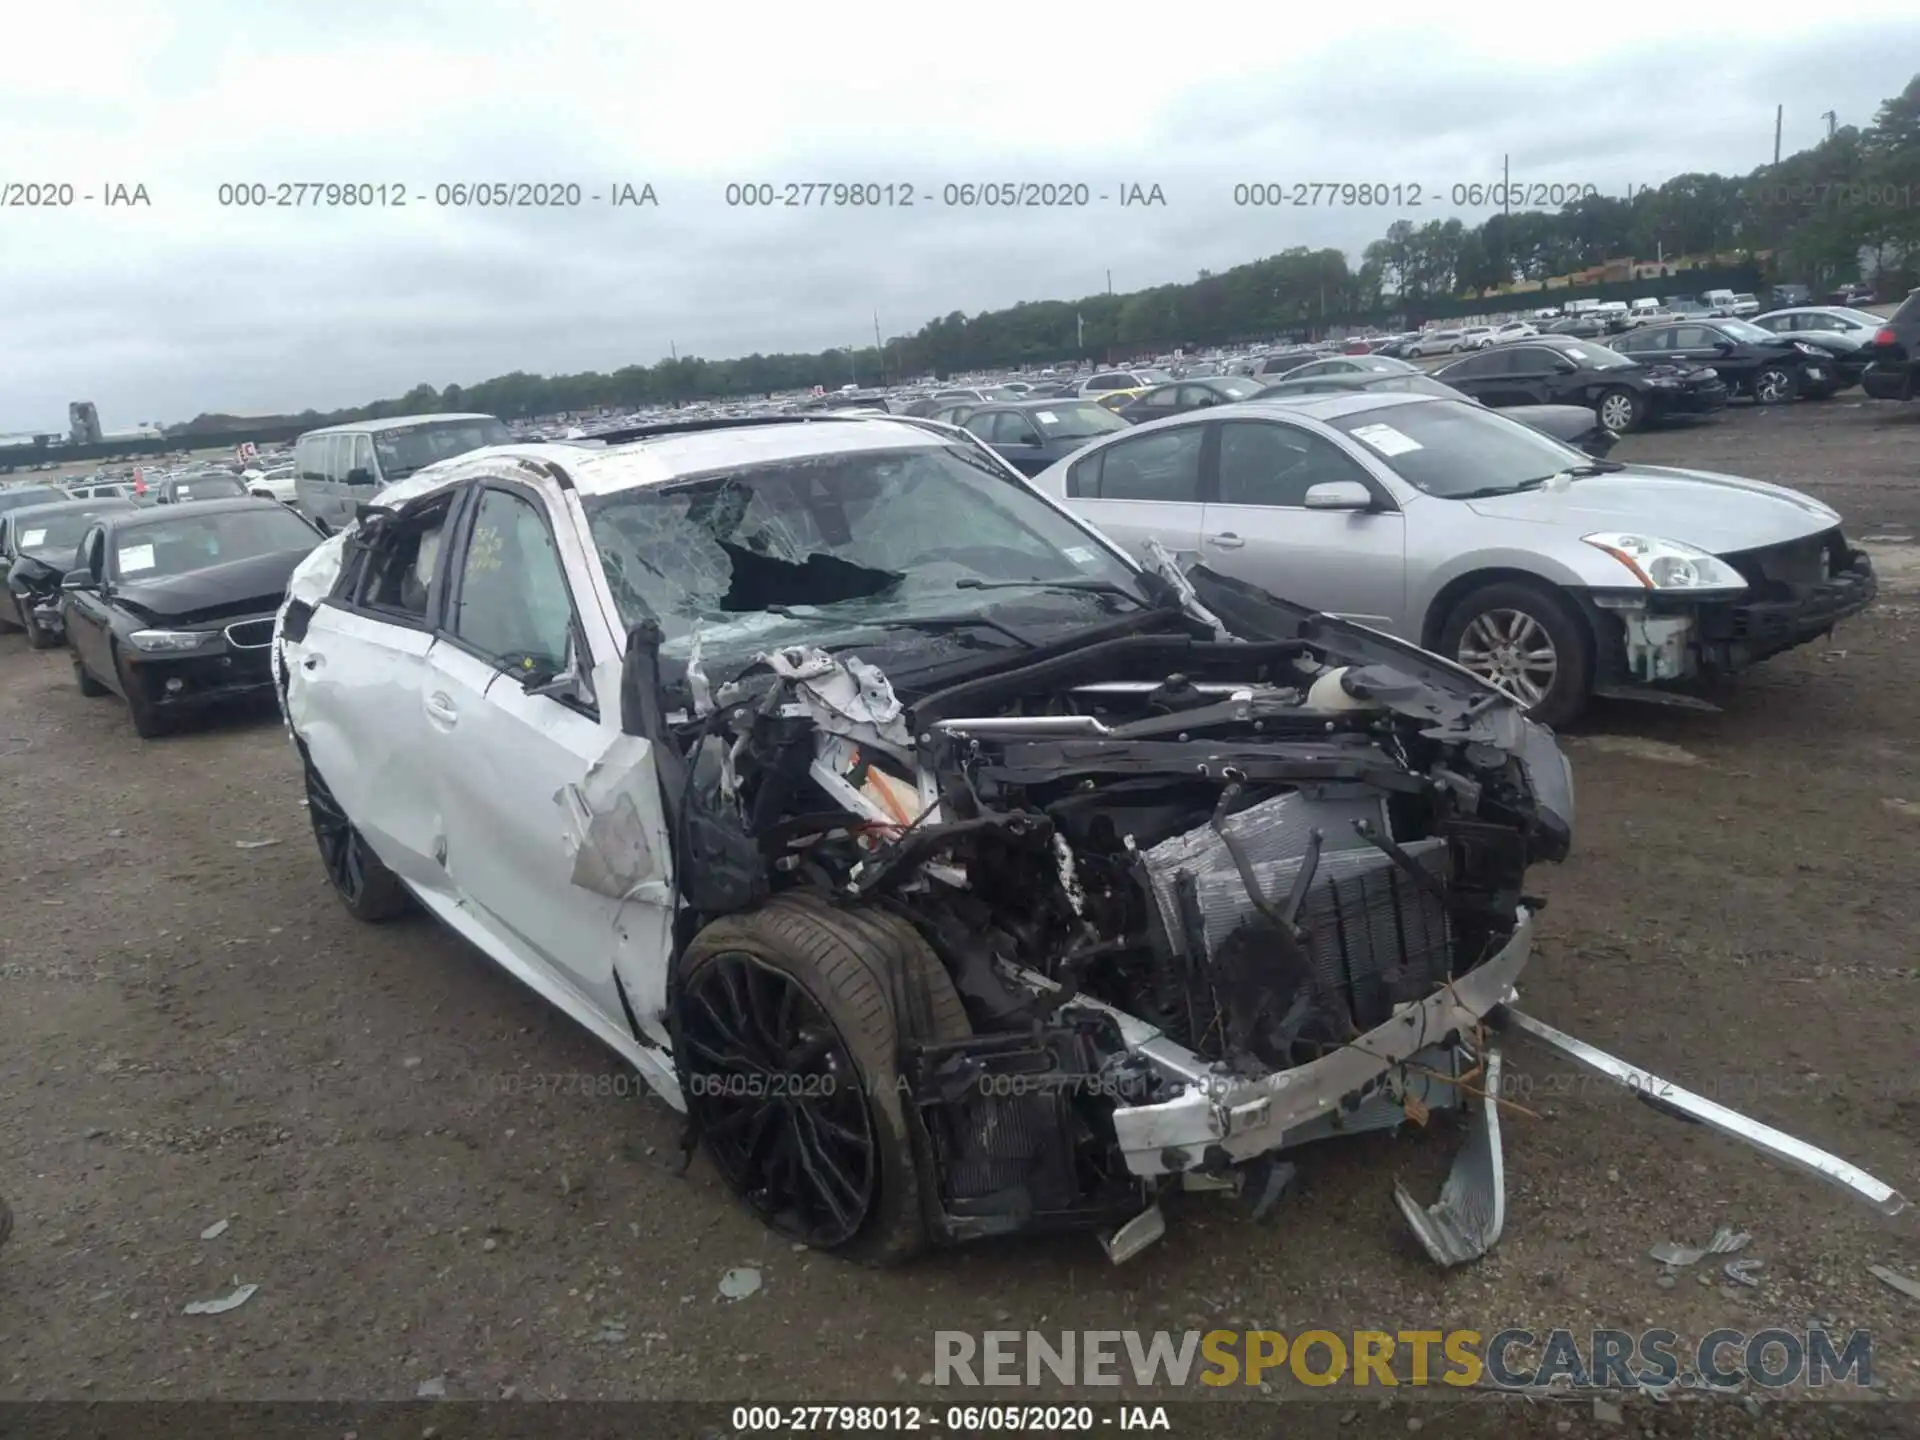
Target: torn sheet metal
1168	569
1467	1220
607	825
697	682
849	697
1665	1095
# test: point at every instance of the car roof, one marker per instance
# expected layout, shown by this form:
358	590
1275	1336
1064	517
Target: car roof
69	507
156	515
657	459
1322	407
393	422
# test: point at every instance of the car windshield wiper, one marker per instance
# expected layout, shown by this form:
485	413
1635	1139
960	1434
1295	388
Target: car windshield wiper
1592	468
919	622
1084	587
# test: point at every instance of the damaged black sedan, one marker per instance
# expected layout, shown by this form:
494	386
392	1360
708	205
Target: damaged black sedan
954	874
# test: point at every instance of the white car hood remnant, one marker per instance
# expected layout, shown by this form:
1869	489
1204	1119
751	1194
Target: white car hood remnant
850	698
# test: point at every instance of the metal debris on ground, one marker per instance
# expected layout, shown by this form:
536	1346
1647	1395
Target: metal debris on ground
225	1303
1607	1413
1726	1241
434	1389
215	1230
739	1282
1893	1278
253	844
1741	1272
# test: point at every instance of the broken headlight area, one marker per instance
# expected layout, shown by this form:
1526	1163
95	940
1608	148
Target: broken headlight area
1085	925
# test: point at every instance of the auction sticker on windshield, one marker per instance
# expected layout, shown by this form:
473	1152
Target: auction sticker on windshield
1079	554
1047	417
136	557
33	537
1386	439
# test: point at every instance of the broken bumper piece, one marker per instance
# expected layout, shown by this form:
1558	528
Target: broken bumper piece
1233	1119
1665	1096
1467	1220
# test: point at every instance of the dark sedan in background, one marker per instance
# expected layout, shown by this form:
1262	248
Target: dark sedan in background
36	549
1767	368
1185	395
173	609
1031	434
1622	391
1896	354
1572	424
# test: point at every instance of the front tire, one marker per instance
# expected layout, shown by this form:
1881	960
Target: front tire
1528	640
370	891
89	687
790	1022
148	722
1620	410
1775	385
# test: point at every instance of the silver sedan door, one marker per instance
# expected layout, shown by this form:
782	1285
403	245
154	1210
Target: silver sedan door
1256	526
1145	487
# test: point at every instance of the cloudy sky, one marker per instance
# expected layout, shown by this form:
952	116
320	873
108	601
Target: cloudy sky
161	311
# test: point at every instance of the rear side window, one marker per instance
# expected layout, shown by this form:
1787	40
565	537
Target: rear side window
309	457
1909	311
1163	466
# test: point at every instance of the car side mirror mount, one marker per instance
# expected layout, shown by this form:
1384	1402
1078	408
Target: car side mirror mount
79	580
1339	495
1723	346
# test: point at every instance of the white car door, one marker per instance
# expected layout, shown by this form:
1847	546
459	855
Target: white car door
511	768
364	661
1145	487
1350	563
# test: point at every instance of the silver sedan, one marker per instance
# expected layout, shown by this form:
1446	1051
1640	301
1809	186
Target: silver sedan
1554	575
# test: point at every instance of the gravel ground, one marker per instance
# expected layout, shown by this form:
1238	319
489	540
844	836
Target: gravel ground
410	1164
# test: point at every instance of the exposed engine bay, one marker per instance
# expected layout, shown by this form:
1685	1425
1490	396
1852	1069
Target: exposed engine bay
1242	880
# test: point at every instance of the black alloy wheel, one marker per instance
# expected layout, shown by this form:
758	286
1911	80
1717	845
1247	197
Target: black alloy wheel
789	1025
779	1099
368	888
1775	384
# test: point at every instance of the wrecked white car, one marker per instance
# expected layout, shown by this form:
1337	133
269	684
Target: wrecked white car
954	875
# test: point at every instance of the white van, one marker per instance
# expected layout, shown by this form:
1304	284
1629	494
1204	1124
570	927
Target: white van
1718	302
338	468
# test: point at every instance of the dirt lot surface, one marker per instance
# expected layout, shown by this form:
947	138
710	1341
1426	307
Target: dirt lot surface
413	1168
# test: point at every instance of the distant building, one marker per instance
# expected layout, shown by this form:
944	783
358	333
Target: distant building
84	422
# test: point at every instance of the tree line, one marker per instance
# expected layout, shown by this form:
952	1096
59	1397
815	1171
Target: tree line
1814	215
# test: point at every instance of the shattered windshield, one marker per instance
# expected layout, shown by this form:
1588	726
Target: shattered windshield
829	542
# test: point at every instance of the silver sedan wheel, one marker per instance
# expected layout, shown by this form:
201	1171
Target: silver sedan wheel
1616	412
1514	651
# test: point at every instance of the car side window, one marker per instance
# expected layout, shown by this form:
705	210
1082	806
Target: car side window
310	458
1010	427
93	553
400	572
1474	367
1651	339
1262	463
981	425
1164	466
512	603
362	458
1168	398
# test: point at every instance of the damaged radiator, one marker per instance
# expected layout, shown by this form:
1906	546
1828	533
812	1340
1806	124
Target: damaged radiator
1367	936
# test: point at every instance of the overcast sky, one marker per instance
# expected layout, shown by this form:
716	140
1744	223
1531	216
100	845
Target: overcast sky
162	311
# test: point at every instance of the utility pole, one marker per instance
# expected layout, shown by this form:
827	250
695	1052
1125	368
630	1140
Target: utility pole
1506	184
879	350
673	353
1779	115
1832	117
